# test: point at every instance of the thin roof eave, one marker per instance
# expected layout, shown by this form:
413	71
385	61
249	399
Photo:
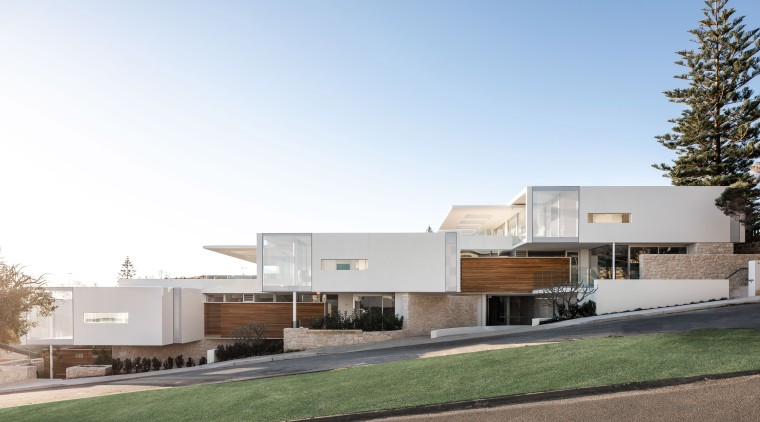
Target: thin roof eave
244	252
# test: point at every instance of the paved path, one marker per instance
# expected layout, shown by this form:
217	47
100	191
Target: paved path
733	399
738	316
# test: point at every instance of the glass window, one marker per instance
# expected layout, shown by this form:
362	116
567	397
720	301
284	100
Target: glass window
234	297
450	261
264	297
620	217
555	213
384	304
210	297
286	262
345	264
105	317
601	261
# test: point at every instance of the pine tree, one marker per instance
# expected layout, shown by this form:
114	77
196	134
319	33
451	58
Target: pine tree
127	270
717	138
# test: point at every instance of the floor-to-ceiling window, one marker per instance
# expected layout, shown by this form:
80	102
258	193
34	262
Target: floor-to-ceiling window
555	213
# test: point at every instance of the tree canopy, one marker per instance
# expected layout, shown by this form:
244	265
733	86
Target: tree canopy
716	138
19	294
127	269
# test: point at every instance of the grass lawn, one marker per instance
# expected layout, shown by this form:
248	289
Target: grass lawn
582	363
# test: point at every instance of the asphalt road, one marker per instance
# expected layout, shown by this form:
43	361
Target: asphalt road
739	316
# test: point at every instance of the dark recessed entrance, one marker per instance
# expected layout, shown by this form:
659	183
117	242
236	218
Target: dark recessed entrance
510	310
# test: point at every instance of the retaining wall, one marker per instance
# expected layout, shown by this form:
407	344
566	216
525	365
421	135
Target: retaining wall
305	338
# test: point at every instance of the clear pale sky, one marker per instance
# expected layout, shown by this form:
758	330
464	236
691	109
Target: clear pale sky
151	128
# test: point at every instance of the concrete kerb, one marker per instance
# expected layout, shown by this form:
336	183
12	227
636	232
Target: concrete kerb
409	341
526	398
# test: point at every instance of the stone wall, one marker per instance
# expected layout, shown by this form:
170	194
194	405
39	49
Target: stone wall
85	371
711	248
16	373
305	339
194	349
686	267
433	312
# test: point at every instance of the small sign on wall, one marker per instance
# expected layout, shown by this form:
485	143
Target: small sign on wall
343	266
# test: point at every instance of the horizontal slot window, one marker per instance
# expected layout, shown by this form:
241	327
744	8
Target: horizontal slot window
106	318
345	264
609	217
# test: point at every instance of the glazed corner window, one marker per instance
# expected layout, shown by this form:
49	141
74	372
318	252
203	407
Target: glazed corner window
618	217
345	264
105	318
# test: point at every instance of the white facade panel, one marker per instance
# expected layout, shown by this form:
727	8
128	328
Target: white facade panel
409	262
191	321
658	214
149	311
629	295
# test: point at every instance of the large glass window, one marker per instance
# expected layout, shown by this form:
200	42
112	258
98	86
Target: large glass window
516	227
381	304
286	262
601	261
555	213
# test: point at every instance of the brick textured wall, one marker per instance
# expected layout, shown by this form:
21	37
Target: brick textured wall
305	339
711	248
433	312
194	349
686	267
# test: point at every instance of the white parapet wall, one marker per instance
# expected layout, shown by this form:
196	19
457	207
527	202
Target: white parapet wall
628	295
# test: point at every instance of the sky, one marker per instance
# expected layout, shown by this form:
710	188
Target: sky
151	128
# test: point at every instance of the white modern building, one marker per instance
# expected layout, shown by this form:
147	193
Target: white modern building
486	265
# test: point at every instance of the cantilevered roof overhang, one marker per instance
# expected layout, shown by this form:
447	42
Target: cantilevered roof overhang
244	252
469	219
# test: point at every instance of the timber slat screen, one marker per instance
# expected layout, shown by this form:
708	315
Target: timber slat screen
221	319
511	275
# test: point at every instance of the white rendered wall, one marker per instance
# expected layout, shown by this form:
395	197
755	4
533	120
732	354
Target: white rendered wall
659	214
192	316
150	316
207	285
398	262
627	295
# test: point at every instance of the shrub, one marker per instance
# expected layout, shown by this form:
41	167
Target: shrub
250	340
202	360
179	361
137	364
221	353
156	363
169	363
127	366
190	362
587	309
117	365
146	365
358	320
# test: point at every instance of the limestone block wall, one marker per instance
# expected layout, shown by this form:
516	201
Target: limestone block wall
686	267
711	248
433	312
194	349
85	371
16	373
305	339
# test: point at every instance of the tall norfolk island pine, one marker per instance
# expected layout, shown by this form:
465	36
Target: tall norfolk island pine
717	137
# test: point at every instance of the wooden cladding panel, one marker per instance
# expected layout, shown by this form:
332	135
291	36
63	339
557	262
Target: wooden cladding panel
221	319
513	275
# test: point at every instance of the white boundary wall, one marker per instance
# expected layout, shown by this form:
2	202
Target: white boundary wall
627	295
